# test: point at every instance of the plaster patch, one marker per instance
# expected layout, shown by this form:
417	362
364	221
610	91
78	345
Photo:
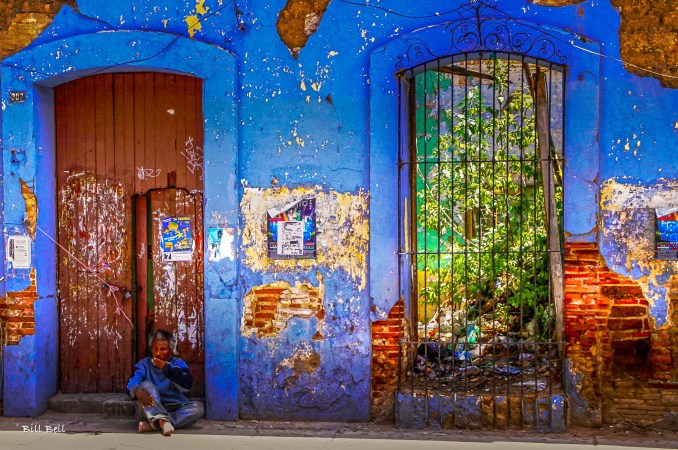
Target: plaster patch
31	216
342	230
268	308
298	20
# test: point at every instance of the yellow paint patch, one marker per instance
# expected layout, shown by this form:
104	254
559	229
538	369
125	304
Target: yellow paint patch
200	7
193	25
343	230
31	215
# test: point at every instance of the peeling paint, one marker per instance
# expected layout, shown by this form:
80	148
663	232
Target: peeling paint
304	361
31	216
343	230
628	239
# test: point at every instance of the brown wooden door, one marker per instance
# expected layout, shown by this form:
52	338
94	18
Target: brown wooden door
171	291
117	136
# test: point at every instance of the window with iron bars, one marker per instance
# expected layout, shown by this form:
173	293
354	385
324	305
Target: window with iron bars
485	175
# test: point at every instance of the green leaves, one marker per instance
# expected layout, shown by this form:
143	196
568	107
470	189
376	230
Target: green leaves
479	197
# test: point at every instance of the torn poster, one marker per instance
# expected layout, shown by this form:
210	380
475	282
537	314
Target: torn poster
666	239
176	241
19	251
291	230
221	243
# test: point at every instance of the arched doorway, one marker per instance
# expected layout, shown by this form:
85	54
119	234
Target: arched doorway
129	152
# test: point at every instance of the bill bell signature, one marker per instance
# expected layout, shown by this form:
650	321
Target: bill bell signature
40	428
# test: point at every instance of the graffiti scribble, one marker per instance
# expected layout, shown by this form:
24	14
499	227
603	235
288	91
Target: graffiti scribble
143	173
193	157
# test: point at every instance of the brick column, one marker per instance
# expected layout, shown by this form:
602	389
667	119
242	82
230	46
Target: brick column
385	357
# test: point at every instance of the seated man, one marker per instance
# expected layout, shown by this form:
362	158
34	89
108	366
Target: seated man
159	383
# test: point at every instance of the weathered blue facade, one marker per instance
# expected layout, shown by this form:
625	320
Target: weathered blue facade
327	124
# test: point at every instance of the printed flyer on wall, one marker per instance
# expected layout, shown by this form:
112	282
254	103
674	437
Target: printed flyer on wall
666	241
291	230
177	244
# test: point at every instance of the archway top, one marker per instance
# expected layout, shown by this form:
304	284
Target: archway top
58	61
482	27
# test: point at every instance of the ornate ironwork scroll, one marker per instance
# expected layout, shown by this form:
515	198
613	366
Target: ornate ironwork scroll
484	27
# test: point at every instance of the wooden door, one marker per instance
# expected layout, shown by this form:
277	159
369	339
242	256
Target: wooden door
117	136
173	287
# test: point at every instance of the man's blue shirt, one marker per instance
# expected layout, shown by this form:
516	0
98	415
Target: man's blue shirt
172	381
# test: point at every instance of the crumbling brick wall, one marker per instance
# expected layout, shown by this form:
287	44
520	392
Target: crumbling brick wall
627	365
21	21
17	314
386	335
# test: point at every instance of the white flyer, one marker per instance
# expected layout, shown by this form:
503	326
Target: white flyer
291	238
19	251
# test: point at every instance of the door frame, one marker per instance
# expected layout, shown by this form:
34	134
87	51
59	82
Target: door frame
28	128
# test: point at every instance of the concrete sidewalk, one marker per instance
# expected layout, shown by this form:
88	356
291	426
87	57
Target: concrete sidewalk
90	441
73	431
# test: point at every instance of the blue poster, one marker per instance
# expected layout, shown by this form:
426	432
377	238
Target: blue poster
177	244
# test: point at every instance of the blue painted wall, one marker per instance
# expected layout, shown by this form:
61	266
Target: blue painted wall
325	122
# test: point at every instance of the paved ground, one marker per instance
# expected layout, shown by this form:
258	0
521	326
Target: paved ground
90	431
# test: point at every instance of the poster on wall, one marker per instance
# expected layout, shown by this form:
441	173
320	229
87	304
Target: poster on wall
291	230
221	243
19	251
176	242
666	239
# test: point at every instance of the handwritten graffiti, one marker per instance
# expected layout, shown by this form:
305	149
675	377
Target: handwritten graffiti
143	173
193	155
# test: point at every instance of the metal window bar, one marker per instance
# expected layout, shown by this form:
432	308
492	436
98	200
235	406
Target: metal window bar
486	187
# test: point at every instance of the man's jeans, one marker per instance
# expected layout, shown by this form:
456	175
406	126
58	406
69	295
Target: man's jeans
179	414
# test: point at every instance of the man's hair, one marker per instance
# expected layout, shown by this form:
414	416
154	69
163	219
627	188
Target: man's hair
163	335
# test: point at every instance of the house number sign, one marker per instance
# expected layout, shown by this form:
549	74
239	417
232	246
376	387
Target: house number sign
17	97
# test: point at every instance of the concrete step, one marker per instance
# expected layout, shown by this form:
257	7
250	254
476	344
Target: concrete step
110	405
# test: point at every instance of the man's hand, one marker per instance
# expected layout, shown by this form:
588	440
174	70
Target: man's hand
144	397
159	363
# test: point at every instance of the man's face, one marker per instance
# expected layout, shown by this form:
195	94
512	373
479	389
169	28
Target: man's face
161	349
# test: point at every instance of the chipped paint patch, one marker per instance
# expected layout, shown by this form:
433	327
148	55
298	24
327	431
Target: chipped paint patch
342	226
31	216
304	361
193	25
627	212
193	21
268	308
